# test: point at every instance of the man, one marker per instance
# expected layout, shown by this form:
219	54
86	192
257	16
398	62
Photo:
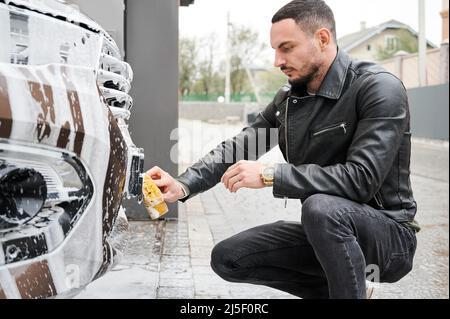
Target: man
344	132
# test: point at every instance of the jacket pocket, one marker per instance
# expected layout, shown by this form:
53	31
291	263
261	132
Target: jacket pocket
379	200
340	128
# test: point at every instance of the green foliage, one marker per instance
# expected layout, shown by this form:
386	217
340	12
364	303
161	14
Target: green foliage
207	75
237	98
213	85
202	74
188	55
244	48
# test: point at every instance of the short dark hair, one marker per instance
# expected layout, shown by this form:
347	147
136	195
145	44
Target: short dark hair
311	15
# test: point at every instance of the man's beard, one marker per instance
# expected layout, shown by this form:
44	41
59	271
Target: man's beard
302	82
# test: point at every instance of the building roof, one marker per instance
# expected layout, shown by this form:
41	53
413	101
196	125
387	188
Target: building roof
350	41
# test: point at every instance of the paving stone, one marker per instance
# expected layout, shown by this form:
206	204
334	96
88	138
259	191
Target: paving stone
176	273
176	282
176	251
175	293
202	270
177	266
209	295
200	261
167	259
201	251
131	283
205	288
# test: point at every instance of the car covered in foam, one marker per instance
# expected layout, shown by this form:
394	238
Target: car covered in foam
66	156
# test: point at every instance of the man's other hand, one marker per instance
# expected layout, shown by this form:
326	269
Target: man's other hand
170	188
243	174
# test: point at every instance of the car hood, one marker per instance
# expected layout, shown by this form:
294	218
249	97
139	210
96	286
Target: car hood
60	9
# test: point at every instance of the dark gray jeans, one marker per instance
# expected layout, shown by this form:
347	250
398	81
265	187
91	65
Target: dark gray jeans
330	254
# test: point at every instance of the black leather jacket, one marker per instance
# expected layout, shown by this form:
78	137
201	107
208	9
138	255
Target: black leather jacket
352	139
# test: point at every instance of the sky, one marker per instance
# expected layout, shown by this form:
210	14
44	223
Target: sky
209	16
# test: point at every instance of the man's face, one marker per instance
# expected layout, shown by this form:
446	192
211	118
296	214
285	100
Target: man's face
297	54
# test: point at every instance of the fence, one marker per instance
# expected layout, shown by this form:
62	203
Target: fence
429	111
406	67
236	98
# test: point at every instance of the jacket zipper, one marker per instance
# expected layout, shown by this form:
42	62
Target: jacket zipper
379	200
286	129
329	129
287	143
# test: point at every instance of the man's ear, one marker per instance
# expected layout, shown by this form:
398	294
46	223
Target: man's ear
324	37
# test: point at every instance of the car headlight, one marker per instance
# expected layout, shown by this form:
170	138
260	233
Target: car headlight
41	193
23	192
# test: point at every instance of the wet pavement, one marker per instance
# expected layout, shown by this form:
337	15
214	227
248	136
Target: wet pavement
170	259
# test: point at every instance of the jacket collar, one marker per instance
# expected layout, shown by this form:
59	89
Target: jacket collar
334	81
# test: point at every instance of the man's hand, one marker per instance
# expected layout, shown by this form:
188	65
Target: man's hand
171	190
243	174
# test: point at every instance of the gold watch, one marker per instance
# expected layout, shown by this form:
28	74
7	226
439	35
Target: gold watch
268	175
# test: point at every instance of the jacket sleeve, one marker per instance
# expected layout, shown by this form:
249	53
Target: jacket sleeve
250	144
383	114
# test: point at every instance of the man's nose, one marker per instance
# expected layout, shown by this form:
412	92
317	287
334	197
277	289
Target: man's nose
279	61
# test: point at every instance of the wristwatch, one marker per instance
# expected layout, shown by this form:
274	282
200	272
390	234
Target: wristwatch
268	175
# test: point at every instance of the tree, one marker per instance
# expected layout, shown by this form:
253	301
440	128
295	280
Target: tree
206	68
402	41
239	80
216	87
201	74
188	48
244	49
209	83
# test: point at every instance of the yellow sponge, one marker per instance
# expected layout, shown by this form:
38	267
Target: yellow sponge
153	198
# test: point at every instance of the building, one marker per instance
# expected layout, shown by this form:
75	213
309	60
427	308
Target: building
374	43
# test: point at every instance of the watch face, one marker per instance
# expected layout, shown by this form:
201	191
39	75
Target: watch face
269	173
